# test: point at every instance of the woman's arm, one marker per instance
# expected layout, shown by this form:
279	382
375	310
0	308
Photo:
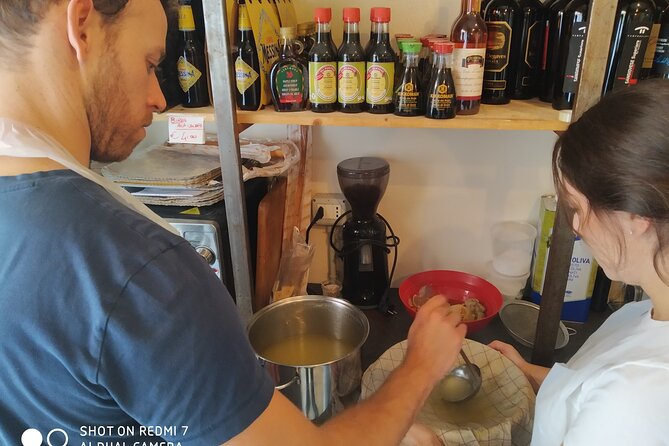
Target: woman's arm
535	373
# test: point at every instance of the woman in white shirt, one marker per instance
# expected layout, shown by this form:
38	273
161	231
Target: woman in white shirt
611	169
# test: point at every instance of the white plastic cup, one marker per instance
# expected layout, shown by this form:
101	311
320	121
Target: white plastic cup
512	246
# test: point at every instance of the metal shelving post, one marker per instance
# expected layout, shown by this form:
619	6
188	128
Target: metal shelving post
220	68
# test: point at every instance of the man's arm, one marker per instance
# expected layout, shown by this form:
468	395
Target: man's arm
434	341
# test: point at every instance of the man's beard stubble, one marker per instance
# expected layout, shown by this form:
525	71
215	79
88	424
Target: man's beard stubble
106	107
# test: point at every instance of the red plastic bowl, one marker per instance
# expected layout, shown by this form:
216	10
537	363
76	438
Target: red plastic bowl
456	286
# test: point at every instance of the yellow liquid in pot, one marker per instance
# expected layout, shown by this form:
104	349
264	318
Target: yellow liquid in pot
306	350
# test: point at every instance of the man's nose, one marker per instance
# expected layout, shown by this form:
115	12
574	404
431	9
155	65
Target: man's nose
156	99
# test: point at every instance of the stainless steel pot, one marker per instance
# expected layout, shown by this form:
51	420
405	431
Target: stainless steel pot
314	388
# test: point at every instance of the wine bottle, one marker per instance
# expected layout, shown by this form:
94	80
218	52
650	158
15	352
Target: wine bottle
247	66
631	31
530	48
660	5
501	18
470	36
571	50
550	57
661	61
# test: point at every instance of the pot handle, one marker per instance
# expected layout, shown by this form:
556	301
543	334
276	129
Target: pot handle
296	379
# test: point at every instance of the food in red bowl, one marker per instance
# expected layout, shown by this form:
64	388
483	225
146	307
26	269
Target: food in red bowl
459	288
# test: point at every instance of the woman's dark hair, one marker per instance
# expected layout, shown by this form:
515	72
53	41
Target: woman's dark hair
617	156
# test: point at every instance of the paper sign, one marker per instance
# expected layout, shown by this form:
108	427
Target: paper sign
186	129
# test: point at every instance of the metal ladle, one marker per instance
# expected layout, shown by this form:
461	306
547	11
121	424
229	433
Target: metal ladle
462	383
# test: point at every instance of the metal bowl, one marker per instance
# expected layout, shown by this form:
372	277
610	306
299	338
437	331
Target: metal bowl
520	320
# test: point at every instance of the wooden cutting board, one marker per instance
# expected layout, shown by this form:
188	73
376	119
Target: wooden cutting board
270	236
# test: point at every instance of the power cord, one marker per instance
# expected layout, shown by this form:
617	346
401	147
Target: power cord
317	216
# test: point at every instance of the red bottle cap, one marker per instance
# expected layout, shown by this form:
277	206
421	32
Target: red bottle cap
322	15
379	15
351	15
432	41
444	47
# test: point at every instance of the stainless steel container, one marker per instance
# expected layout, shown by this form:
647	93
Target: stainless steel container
314	388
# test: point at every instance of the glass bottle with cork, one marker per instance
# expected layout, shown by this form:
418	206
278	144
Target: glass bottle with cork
289	77
380	67
470	36
323	65
441	92
192	63
409	90
247	66
351	65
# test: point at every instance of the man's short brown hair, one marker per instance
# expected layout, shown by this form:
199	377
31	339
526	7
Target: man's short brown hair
19	20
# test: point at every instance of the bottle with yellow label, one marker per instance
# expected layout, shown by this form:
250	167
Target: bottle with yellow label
323	65
247	67
351	66
381	60
192	64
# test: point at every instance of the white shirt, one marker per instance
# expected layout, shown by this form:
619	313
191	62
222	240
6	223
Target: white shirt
614	391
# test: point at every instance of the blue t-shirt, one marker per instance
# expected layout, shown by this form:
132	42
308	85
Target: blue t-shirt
111	328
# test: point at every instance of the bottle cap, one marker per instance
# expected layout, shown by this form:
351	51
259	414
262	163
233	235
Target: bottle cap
287	32
322	15
351	15
379	15
444	47
411	47
432	41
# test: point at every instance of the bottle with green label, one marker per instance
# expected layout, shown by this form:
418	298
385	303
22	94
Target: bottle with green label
440	91
192	64
247	67
323	65
408	96
380	65
351	65
289	77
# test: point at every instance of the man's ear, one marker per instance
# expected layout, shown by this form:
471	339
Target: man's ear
79	19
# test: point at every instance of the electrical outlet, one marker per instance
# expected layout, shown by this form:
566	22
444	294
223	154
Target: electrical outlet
334	206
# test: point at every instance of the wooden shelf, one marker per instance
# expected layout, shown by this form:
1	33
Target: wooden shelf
518	115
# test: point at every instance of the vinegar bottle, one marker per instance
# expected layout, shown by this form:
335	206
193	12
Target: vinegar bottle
470	37
323	65
570	56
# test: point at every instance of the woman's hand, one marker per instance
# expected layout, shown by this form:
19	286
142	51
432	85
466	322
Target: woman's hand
535	374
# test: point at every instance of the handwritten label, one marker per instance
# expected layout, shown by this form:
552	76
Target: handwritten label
186	129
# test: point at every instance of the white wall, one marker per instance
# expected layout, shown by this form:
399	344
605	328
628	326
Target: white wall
446	186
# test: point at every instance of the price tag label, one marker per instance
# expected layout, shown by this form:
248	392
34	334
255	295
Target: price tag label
186	129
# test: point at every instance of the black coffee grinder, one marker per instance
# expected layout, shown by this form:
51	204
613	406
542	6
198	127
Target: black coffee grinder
365	246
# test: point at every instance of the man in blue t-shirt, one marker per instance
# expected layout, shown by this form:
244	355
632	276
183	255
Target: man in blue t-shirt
112	329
